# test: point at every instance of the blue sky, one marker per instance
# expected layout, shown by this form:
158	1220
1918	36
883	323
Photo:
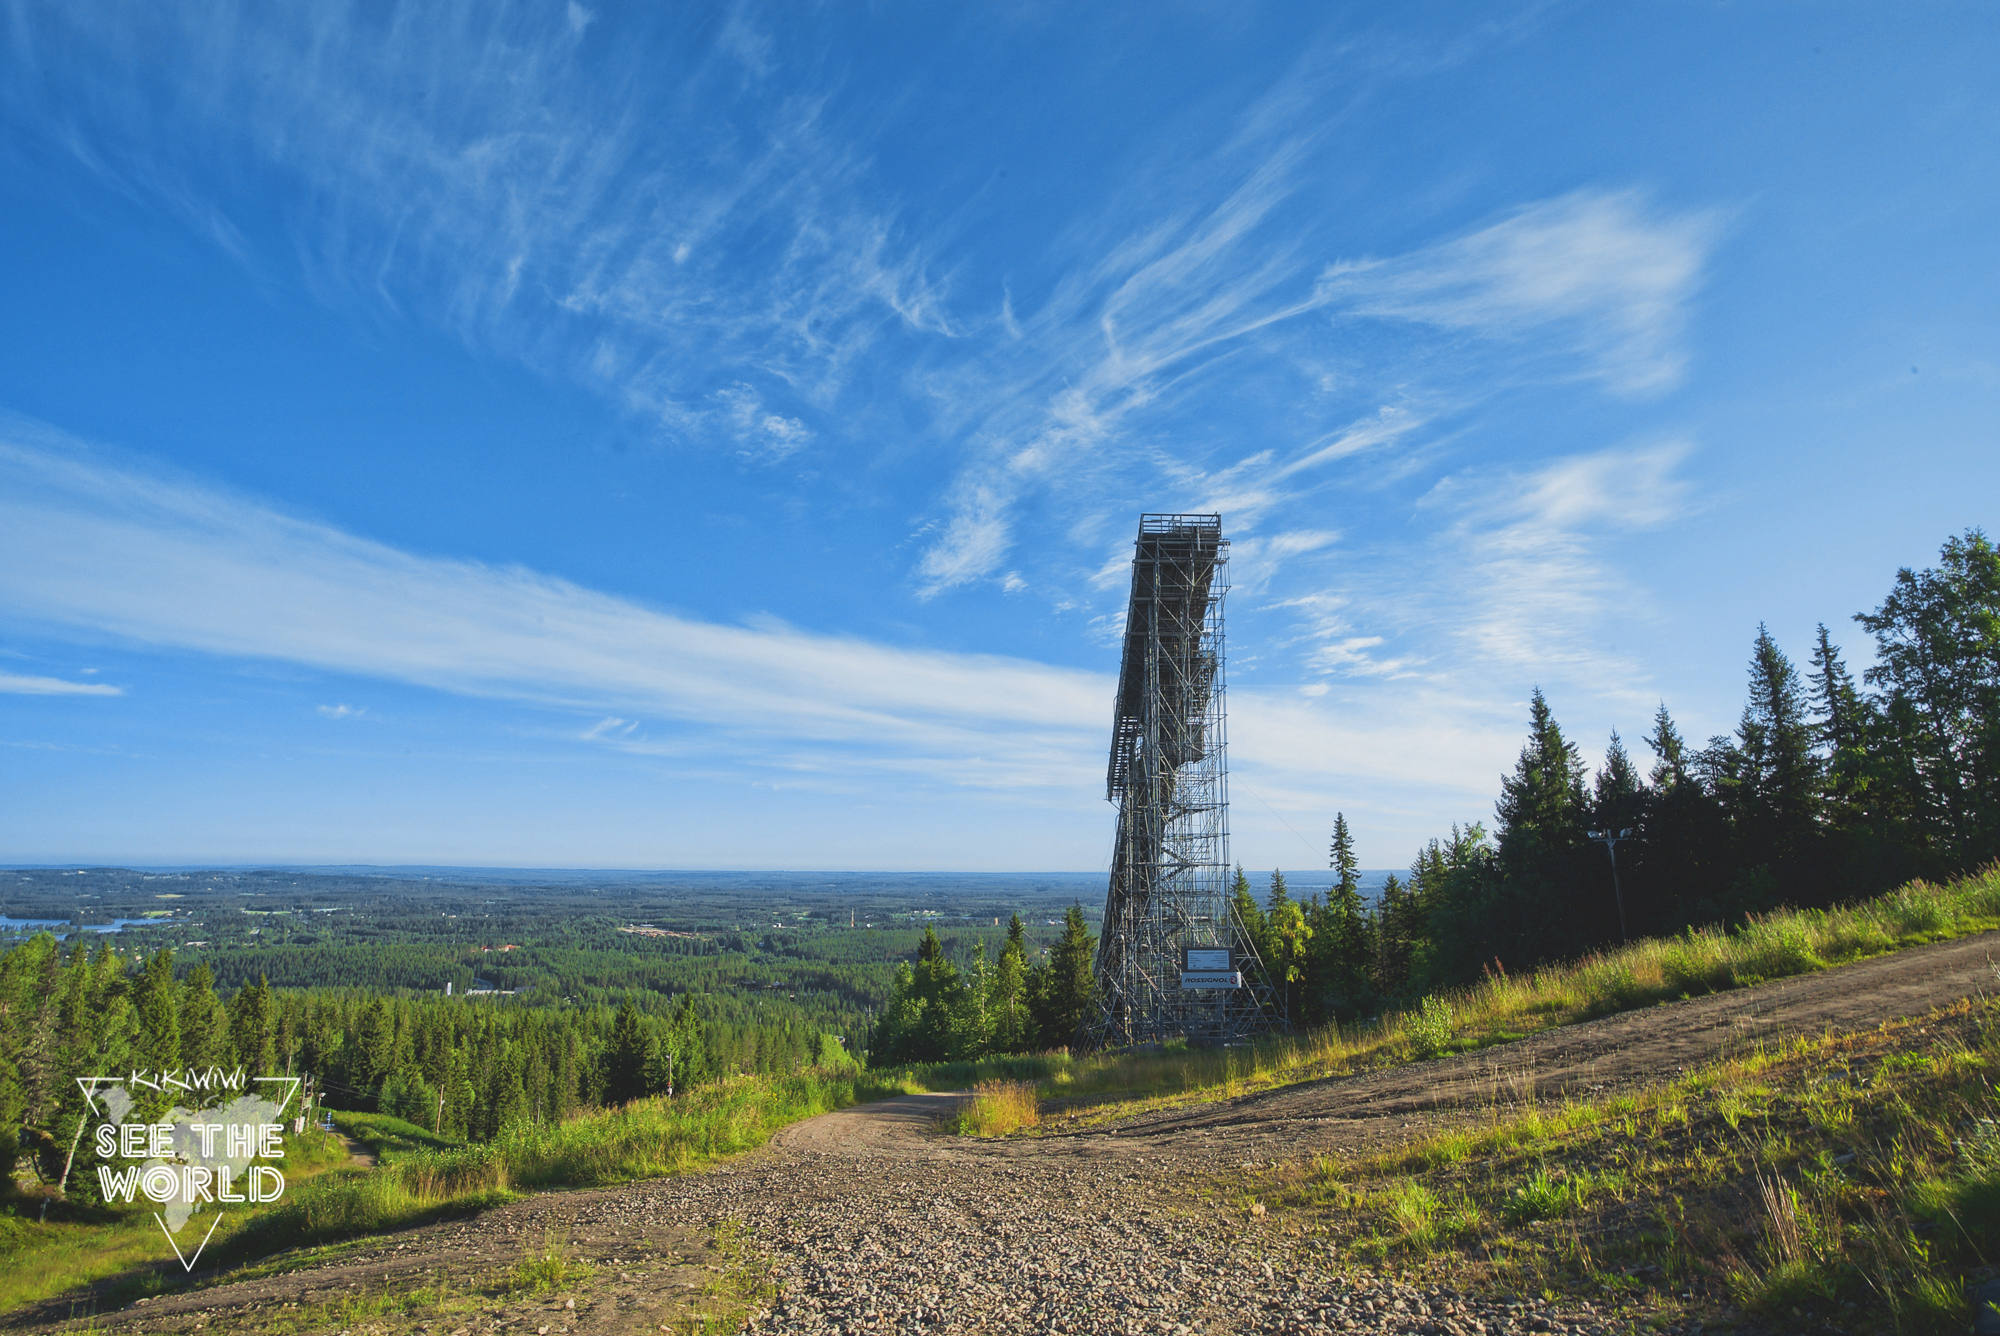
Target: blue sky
712	436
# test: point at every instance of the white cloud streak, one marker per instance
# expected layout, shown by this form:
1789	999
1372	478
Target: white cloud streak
166	562
17	684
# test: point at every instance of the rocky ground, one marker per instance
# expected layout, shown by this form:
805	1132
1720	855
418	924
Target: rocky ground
870	1221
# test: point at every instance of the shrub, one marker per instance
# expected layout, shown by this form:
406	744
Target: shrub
1429	1027
997	1108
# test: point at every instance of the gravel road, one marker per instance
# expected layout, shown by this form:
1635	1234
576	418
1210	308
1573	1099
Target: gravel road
869	1221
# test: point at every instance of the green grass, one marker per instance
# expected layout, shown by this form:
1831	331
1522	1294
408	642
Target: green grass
421	1178
1499	1009
388	1138
80	1245
1847	1179
997	1108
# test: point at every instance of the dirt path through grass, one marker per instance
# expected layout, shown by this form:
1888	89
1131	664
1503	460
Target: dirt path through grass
868	1220
1622	1051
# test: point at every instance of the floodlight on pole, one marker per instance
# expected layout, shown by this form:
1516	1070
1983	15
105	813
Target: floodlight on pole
1610	843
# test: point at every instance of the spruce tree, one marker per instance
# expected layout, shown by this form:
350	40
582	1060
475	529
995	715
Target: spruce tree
1249	917
250	1030
1687	861
1670	757
1546	904
1066	997
1773	776
629	1058
203	1025
1841	728
1542	803
1346	867
1392	940
1338	955
159	1014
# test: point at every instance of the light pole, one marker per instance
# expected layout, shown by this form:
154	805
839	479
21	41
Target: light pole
1610	842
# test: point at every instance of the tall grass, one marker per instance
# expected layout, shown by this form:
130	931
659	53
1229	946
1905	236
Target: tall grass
1850	1178
997	1108
1505	1006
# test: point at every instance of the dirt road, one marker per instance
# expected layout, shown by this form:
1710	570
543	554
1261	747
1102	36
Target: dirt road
869	1221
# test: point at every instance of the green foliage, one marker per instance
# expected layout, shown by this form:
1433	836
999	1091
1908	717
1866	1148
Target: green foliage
933	1015
1840	1179
550	1268
1063	990
1430	1027
1542	1197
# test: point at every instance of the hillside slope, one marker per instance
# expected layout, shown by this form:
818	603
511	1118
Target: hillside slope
867	1220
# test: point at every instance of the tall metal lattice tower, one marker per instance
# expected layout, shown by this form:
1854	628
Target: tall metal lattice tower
1173	960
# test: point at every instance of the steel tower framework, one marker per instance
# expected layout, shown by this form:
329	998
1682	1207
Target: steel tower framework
1170	867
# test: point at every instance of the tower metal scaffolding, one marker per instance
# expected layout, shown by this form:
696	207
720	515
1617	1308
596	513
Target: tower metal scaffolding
1167	915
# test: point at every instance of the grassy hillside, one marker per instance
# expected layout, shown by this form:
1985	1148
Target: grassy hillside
419	1178
1497	1009
1850	1179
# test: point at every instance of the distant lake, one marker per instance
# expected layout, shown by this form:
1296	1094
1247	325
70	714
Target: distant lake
116	925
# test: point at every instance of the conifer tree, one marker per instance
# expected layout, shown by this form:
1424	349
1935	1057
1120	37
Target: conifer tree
1392	936
1013	1031
1541	804
159	1014
932	1016
1842	729
1346	867
1338	954
203	1025
630	1058
1065	999
1770	774
1670	756
250	1029
1546	901
1249	917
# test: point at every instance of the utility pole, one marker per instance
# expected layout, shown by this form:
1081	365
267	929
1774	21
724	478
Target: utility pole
1610	843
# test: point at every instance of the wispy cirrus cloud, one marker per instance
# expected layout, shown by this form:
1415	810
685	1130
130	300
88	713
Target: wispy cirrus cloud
1532	544
625	200
1600	277
1593	286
